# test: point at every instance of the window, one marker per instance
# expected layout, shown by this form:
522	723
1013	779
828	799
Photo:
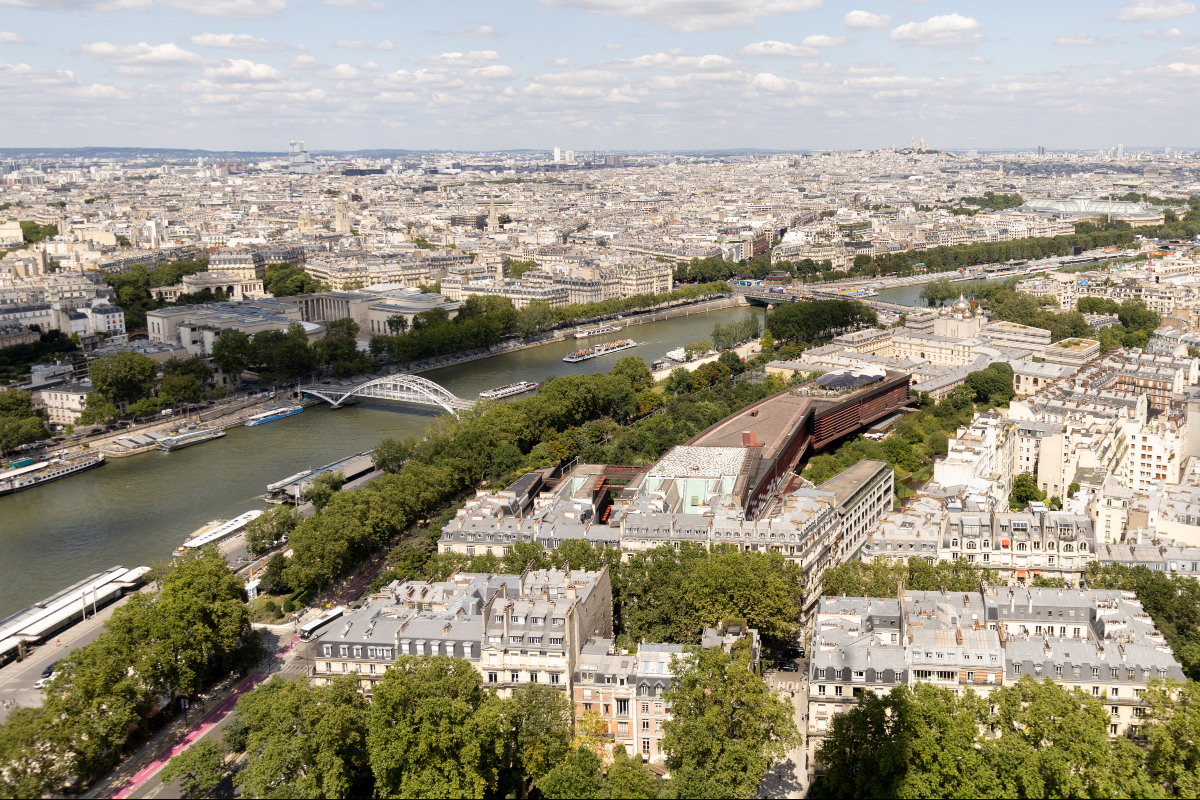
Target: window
646	746
554	678
327	650
645	724
821	690
492	678
515	677
622	728
328	667
645	708
837	691
1095	691
344	650
820	672
622	707
1017	669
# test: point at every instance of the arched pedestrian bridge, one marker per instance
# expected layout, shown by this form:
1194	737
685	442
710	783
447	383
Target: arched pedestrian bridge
406	388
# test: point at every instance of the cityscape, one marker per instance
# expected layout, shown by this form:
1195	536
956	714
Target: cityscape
638	423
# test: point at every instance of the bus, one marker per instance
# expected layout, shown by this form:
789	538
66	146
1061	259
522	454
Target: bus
311	629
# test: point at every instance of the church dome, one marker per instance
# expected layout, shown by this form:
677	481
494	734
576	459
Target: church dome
962	304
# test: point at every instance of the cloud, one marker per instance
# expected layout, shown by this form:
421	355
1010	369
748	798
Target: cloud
1090	64
1183	54
346	44
773	48
304	62
241	69
612	47
239	41
230	9
948	30
1085	40
870	68
691	15
144	56
674	61
965	73
821	40
978	60
493	72
812	68
1155	10
476	32
558	62
342	72
1173	33
371	66
475	58
12	38
1177	70
865	20
357	5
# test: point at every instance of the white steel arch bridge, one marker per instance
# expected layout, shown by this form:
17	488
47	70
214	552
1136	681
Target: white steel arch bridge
406	388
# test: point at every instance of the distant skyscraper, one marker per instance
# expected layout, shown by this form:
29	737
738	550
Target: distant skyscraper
557	155
1041	150
298	160
570	156
1120	151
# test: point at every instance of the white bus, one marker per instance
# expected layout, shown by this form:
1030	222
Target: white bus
311	629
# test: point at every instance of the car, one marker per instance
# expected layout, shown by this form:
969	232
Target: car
49	670
802	652
41	683
790	666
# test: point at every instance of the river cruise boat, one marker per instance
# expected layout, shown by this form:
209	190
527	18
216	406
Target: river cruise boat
500	392
178	441
27	477
600	350
597	331
264	417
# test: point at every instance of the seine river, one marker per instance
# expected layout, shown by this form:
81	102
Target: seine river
137	510
911	295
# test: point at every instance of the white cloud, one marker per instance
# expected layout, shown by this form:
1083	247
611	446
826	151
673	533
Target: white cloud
346	44
357	5
870	68
342	72
674	61
474	32
611	46
144	55
1085	40
493	72
580	77
371	66
1173	33
865	20
773	48
948	30
241	69
691	15
12	38
103	6
1091	64
558	62
978	60
230	9
238	41
304	62
1176	70
812	68
1183	54
475	58
1155	9
821	40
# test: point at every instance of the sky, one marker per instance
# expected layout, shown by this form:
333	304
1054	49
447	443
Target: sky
598	74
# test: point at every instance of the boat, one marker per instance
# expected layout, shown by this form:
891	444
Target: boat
273	414
500	392
677	354
178	441
597	331
600	350
36	474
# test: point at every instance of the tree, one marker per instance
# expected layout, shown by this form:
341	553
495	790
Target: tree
994	383
633	370
323	487
193	366
123	376
631	778
538	722
181	388
269	527
1173	736
33	766
679	381
305	741
232	352
397	323
767	343
534	318
508	458
200	768
1135	316
1025	490
578	776
16	403
727	727
432	730
16	432
96	410
390	454
731	360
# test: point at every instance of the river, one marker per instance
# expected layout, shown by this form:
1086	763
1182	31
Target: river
911	295
137	510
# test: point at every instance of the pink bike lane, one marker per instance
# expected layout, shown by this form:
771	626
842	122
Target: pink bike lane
202	727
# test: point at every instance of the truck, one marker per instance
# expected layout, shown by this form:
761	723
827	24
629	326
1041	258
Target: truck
17	463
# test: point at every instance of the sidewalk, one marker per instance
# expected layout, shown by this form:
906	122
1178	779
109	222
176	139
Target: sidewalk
201	728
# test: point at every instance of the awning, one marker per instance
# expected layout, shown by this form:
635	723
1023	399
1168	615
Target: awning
1037	572
1021	573
1004	542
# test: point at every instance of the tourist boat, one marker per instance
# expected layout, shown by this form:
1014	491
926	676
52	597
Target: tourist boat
677	354
500	392
272	415
597	331
601	350
31	475
178	441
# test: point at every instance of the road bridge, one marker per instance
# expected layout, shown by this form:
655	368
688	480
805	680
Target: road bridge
405	388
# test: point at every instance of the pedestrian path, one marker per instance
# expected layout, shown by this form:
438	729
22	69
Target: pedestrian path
206	723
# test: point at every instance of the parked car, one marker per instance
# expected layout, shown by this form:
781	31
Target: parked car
41	682
790	666
49	670
794	652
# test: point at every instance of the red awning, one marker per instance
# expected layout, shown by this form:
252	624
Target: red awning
1037	572
1004	542
1021	573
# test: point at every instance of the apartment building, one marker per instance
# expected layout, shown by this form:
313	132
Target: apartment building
1155	452
605	684
1099	641
868	342
981	456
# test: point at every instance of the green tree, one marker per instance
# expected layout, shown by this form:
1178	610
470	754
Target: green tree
323	487
534	318
33	765
181	388
123	376
633	370
390	454
199	768
578	776
96	410
538	722
16	432
1172	736
305	741
16	403
631	778
193	366
767	343
397	323
269	527
432	730
733	361
727	727
1025	490
232	353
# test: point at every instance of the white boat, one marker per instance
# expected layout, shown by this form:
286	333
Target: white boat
500	392
273	414
597	331
601	350
27	477
179	441
677	354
